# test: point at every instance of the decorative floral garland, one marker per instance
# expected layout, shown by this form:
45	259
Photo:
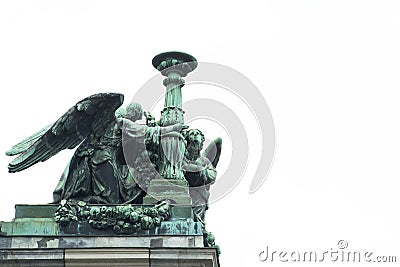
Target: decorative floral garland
123	219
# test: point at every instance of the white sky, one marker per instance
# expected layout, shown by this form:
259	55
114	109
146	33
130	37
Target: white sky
329	71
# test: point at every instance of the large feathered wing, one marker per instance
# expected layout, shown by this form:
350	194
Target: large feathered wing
213	151
89	116
26	143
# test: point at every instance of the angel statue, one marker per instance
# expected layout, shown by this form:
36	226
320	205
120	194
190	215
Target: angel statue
98	171
199	167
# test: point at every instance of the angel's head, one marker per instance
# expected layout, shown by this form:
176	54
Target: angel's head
194	137
134	111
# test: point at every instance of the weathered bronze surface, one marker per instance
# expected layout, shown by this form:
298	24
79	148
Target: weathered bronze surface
122	165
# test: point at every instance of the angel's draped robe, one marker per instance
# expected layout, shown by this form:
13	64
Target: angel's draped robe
99	171
199	184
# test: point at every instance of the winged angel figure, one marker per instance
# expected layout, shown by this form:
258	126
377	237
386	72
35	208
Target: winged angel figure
200	168
98	171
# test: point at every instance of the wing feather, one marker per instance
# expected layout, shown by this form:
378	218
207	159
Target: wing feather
213	151
89	116
26	143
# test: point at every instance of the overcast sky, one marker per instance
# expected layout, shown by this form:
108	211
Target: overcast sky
329	71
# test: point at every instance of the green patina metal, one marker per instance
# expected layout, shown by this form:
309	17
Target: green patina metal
159	185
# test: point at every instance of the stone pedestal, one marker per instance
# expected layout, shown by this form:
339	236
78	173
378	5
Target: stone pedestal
177	191
34	238
109	257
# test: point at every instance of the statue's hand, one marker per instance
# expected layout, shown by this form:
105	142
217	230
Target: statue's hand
192	167
179	127
197	165
148	115
175	128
